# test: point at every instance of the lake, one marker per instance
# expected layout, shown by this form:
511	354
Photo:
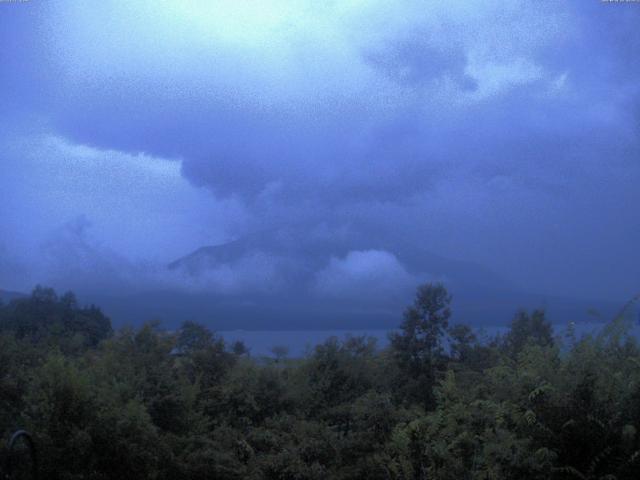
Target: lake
299	342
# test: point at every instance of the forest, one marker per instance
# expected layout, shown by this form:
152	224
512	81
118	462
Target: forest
437	403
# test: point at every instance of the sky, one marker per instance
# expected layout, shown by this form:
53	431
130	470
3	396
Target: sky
505	135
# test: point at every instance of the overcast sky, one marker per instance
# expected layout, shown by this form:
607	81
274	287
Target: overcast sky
504	133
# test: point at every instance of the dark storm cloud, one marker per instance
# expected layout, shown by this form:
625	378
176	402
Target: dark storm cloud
359	146
506	134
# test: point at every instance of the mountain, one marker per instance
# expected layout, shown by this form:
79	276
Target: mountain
313	251
269	281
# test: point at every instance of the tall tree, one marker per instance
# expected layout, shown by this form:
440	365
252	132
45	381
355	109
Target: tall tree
418	347
527	329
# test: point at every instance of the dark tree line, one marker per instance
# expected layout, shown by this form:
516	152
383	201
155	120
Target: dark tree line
436	404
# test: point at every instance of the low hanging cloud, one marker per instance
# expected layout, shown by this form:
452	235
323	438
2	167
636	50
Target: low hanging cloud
72	258
253	273
374	275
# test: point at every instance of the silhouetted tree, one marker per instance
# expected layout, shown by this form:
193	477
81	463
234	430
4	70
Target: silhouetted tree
527	329
193	336
418	347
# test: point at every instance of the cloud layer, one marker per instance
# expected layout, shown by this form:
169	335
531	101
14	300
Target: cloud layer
503	133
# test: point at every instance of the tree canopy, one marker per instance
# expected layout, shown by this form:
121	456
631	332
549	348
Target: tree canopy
435	404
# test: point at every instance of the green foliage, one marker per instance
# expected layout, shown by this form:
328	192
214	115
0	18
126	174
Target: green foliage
43	317
147	403
527	329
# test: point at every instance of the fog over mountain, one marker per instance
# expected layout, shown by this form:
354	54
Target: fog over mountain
240	164
293	279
